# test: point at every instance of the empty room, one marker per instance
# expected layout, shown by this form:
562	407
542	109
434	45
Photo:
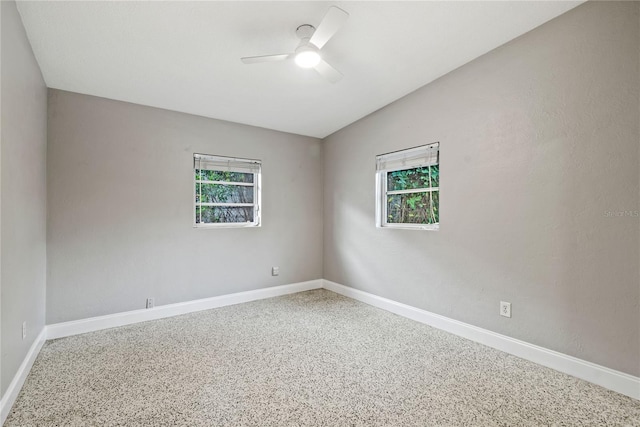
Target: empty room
301	213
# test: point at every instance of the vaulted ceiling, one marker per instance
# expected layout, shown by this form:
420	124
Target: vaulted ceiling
185	56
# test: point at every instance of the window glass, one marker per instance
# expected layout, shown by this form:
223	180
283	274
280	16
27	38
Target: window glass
227	191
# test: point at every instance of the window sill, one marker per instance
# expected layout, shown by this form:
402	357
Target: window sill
229	225
424	227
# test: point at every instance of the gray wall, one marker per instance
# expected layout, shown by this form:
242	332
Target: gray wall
539	138
23	193
120	219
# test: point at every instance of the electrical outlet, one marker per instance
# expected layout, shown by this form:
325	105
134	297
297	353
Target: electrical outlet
275	271
149	302
505	309
24	330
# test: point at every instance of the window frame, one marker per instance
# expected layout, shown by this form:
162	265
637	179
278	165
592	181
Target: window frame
382	192
257	193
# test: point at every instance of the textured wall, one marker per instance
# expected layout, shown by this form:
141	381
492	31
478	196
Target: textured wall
539	140
120	219
23	193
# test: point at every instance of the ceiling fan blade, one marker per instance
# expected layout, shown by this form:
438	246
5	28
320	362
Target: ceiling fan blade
264	58
328	72
331	23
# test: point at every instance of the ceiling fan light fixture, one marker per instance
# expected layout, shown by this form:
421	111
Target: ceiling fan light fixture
312	39
307	57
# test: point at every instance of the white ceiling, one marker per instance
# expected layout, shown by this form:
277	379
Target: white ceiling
185	56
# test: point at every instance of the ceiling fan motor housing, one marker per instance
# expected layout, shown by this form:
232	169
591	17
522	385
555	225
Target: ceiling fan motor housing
305	31
306	54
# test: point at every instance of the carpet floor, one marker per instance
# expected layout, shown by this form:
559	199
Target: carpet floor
308	359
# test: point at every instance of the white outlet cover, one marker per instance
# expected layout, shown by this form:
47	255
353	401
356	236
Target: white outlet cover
505	309
275	271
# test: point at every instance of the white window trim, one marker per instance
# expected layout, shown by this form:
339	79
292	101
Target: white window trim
382	194
257	196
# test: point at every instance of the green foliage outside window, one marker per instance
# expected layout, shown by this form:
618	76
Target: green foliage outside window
414	207
209	175
207	192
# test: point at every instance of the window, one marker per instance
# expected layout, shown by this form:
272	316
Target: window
408	188
227	191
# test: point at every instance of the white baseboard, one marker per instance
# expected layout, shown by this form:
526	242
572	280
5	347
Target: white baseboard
614	380
12	392
617	381
75	327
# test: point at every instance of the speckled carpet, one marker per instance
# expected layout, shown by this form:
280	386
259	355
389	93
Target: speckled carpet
313	359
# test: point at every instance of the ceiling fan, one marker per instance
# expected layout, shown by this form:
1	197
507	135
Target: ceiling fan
307	54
